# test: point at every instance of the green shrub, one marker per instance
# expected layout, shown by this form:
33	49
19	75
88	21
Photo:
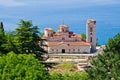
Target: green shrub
21	67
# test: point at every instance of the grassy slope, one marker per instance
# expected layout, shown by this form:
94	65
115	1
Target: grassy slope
70	70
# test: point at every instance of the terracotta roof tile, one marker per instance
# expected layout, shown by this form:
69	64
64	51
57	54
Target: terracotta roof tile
82	43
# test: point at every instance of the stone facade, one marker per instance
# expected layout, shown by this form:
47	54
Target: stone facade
64	48
91	33
65	41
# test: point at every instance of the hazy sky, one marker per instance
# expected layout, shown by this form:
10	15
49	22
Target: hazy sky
55	12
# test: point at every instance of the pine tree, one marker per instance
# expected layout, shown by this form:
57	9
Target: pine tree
27	38
107	65
113	44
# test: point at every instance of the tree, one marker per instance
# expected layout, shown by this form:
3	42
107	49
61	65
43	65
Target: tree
21	67
56	76
1	29
2	38
27	38
107	65
83	36
10	43
113	44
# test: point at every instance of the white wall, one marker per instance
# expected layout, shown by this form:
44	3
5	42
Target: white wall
73	49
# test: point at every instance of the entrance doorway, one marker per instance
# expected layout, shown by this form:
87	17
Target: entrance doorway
63	50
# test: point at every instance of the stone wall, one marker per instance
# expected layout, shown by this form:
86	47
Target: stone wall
69	49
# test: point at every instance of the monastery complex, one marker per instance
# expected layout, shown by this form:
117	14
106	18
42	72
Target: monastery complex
66	41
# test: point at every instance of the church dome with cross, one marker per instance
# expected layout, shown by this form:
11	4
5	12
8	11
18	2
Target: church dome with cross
63	28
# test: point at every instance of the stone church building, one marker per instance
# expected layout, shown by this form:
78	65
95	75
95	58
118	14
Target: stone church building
65	41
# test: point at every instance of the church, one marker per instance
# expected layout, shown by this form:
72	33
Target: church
66	41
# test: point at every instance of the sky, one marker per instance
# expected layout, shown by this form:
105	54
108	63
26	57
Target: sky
74	13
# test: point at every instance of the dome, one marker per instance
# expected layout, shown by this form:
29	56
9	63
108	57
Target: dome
63	26
48	29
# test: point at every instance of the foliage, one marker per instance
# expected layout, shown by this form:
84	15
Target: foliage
2	38
113	44
65	67
83	36
107	65
41	35
9	44
56	76
21	67
67	71
1	29
69	76
27	37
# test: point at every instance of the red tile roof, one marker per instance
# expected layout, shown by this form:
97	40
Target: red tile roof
82	43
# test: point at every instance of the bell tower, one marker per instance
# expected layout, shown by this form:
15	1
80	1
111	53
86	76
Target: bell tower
91	33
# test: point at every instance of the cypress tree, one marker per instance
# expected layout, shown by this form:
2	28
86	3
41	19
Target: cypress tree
2	36
1	29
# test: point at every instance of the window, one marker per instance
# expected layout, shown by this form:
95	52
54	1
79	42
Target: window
91	29
78	50
62	30
51	35
91	33
69	50
63	38
73	49
91	39
76	40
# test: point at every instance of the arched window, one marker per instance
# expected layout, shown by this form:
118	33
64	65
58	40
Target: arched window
52	49
91	33
63	38
76	40
69	50
90	39
62	30
91	30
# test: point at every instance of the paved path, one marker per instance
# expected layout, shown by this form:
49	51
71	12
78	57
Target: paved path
99	50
